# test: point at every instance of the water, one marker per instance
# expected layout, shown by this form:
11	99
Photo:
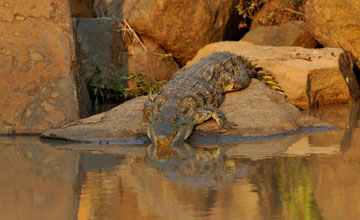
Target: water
304	176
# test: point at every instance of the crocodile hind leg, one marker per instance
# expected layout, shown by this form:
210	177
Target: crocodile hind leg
206	112
234	81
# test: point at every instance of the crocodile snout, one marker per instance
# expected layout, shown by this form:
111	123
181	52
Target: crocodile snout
165	141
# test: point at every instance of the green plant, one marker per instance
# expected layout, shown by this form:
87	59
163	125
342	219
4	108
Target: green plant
105	89
95	82
247	9
115	85
142	84
285	11
288	10
110	89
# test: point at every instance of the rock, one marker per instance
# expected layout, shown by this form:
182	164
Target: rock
112	125
309	77
94	38
146	57
289	34
260	111
104	8
350	69
103	43
335	23
82	8
201	22
275	12
37	81
267	12
257	111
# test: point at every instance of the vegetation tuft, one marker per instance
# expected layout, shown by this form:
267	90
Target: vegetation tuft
142	84
247	9
111	89
289	10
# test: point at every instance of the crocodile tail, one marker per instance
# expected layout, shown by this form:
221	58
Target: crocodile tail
269	80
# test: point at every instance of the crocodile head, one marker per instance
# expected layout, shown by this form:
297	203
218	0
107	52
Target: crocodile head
169	128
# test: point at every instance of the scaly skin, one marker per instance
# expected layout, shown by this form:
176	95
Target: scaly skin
193	96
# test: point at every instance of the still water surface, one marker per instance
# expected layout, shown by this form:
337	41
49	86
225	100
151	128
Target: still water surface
305	176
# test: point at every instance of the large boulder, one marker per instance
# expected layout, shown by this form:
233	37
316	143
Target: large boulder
290	34
133	53
309	77
82	8
37	75
104	43
94	38
257	111
201	22
104	8
335	23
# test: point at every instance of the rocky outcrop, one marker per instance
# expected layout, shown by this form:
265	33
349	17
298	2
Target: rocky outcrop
104	43
142	55
94	38
105	8
257	111
82	8
201	22
309	77
37	81
335	23
289	34
275	12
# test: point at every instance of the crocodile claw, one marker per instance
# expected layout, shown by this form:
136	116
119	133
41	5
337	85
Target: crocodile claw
227	125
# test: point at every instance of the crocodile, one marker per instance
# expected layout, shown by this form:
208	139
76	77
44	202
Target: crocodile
194	94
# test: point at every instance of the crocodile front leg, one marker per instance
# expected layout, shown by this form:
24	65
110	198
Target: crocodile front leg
148	109
206	112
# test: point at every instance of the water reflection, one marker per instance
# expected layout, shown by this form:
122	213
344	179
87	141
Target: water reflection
196	167
142	189
304	176
285	188
37	181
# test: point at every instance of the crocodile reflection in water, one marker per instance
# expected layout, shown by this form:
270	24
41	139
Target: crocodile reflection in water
197	167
